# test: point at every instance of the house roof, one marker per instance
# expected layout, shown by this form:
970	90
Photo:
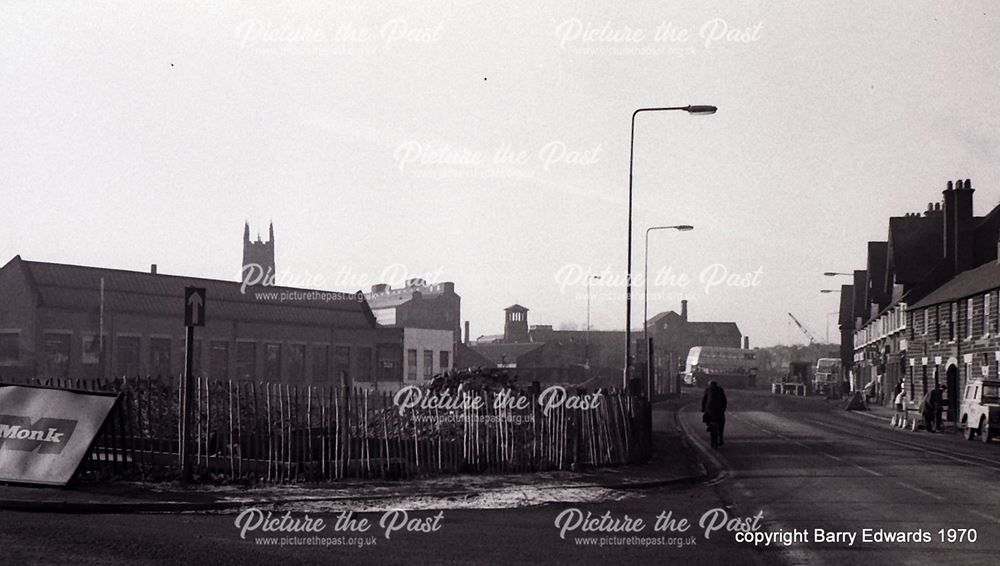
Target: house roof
77	287
713	328
914	246
965	284
658	317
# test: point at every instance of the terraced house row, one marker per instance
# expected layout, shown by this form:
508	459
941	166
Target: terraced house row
926	309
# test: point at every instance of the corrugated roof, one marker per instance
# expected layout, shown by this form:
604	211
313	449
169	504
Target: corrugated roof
78	287
965	284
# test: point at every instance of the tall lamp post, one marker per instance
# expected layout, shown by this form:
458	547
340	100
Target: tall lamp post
645	300
587	346
696	110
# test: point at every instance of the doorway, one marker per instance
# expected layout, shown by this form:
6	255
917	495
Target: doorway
952	393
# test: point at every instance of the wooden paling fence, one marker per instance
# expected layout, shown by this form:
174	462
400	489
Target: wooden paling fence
281	433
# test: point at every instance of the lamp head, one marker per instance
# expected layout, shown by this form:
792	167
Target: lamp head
702	110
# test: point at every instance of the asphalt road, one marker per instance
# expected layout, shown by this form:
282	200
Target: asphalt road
797	464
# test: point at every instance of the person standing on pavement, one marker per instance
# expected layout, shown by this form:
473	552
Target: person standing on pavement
713	408
927	410
900	403
937	401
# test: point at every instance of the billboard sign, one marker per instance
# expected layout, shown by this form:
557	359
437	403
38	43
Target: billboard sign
45	433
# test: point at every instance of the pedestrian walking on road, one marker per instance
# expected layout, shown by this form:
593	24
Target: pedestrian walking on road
713	408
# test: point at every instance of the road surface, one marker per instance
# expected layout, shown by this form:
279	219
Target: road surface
794	464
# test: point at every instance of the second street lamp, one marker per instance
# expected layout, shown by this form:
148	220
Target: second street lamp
645	302
690	109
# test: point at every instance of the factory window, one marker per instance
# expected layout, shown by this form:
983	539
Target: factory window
128	356
321	363
218	359
57	355
159	357
365	365
246	360
411	364
445	361
296	362
272	362
428	364
342	363
10	350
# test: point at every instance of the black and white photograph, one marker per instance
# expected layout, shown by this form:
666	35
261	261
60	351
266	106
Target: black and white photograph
474	283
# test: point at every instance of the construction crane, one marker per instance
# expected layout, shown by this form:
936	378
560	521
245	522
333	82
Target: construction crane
812	340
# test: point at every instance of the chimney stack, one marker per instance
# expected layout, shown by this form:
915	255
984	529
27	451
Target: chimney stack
152	268
684	310
467	337
958	219
746	342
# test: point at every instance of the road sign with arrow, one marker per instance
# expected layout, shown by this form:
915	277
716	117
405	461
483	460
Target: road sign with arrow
194	306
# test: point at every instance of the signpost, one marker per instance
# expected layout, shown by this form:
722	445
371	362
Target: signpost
194	315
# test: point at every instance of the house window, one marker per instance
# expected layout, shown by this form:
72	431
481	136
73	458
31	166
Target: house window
128	356
952	320
246	361
296	362
321	363
411	364
218	360
428	364
159	357
986	315
927	320
272	362
10	350
968	315
445	360
56	355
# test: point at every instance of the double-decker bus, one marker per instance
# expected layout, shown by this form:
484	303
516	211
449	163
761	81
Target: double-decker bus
730	367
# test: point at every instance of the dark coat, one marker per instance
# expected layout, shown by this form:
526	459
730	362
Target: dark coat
713	403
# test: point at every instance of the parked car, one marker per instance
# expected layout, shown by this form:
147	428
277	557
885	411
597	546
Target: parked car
980	410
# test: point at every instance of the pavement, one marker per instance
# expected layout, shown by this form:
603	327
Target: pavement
673	462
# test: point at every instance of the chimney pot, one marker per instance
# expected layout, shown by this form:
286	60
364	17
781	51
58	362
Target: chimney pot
951	185
684	310
152	268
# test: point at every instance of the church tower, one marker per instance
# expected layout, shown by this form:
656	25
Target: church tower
258	256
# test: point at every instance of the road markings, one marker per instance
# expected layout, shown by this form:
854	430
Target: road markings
919	490
975	461
985	515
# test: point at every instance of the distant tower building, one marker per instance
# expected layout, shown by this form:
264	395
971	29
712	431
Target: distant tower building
258	255
515	328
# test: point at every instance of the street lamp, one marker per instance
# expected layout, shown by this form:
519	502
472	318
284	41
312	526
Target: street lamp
587	346
645	300
698	110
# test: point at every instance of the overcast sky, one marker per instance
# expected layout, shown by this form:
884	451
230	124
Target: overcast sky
488	144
